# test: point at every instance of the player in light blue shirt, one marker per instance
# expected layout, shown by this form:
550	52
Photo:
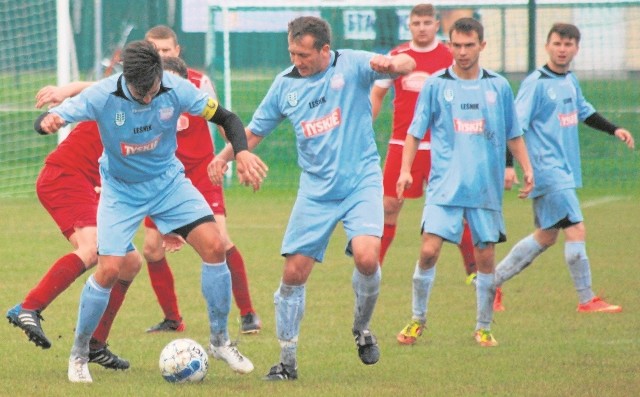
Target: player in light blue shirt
137	113
325	95
549	105
471	115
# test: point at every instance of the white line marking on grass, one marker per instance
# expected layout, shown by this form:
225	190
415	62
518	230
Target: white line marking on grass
602	200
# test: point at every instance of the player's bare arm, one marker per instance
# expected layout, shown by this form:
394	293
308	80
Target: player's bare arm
377	97
408	155
52	95
519	150
397	64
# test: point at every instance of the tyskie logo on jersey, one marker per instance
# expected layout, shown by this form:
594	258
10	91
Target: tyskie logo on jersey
468	126
129	149
568	119
323	124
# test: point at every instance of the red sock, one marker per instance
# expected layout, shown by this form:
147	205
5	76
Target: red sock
100	335
162	282
239	282
466	249
388	234
57	279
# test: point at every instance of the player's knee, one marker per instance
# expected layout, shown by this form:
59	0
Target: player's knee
88	256
367	262
152	252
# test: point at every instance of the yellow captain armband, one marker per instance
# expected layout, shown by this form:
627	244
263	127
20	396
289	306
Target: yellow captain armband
210	109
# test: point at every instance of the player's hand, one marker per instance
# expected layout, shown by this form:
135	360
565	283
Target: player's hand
49	95
404	182
172	242
510	178
381	64
251	170
216	170
51	123
527	177
625	136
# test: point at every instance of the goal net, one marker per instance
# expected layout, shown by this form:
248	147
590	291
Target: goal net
28	61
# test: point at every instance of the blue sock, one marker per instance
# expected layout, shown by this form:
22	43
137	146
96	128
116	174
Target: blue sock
520	256
485	294
93	302
422	283
575	254
216	288
366	289
290	303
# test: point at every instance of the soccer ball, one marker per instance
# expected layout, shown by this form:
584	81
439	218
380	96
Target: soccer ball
183	360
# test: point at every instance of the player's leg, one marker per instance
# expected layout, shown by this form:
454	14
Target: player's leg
162	281
98	351
392	205
72	202
576	258
487	229
251	323
362	219
289	301
467	251
93	302
305	242
438	224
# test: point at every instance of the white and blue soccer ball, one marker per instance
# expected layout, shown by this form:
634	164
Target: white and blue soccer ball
183	361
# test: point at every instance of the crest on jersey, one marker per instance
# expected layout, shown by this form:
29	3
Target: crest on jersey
166	113
491	97
448	95
551	93
119	119
292	98
337	81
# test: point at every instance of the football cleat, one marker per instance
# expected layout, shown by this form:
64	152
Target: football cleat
251	323
497	301
230	355
167	325
597	305
410	333
29	322
471	279
485	338
107	359
78	371
282	372
367	345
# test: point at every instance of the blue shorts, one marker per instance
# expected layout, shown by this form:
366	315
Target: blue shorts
312	221
557	210
169	199
487	226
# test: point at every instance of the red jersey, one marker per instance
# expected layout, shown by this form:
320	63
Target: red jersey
195	143
408	87
80	151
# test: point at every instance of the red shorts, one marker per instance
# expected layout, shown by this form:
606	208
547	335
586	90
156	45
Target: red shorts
68	196
419	171
212	193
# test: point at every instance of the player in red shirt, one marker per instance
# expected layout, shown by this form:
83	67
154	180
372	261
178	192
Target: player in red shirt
430	55
195	151
68	188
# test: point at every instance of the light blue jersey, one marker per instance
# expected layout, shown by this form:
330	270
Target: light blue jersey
331	115
549	107
470	121
139	140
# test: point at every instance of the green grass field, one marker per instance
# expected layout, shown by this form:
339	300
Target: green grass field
546	348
